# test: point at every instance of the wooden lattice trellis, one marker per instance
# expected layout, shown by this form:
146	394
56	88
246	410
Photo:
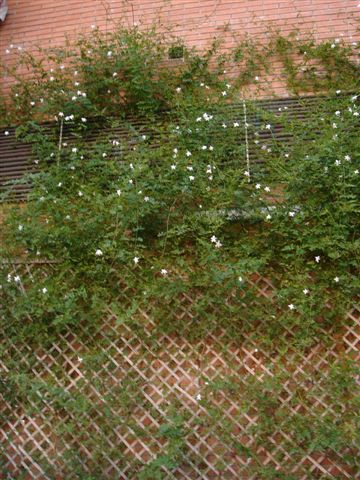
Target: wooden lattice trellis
116	438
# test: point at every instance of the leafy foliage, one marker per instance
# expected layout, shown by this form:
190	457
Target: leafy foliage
169	207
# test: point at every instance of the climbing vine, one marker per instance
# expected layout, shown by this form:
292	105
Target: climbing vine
150	188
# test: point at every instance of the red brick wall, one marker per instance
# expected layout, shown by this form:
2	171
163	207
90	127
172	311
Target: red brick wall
44	22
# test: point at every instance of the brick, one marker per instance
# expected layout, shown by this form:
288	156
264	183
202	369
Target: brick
198	22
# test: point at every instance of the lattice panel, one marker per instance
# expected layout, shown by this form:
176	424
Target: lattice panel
101	404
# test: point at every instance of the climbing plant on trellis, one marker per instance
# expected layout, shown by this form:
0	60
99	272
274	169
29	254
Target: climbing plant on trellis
179	292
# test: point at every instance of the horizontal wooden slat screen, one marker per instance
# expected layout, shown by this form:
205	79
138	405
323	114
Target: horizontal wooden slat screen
16	158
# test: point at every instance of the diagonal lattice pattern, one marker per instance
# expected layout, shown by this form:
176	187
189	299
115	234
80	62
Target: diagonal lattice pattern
111	403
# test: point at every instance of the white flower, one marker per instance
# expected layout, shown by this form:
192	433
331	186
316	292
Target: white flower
337	279
114	74
173	167
164	272
218	244
356	172
98	253
146	199
109	53
334	125
268	126
213	239
118	193
61	114
83	119
267	189
224	125
338	92
80	193
79	359
224	93
6	133
291	306
67	217
44	290
268	217
257	186
20	228
347	158
337	113
317	259
178	90
51	79
188	153
191	178
136	260
337	162
104	155
247	174
236	124
211	148
305	291
198	397
240	279
17	279
204	147
190	168
198	119
291	214
74	150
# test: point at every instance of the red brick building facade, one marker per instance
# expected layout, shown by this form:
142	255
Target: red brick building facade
32	22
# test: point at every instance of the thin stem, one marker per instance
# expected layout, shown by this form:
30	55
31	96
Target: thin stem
246	141
60	141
